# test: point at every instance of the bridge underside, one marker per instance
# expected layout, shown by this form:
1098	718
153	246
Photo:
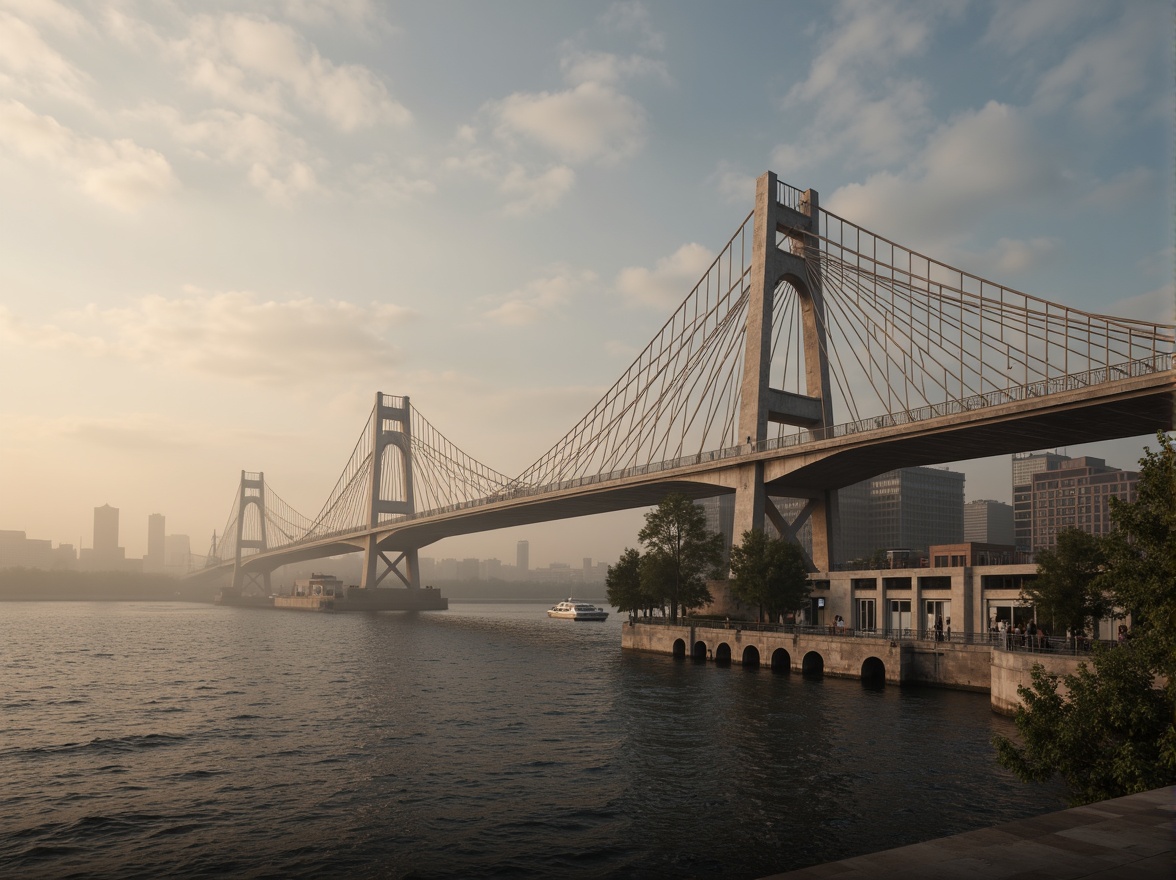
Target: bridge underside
1078	420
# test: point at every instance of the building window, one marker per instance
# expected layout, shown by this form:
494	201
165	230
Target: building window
866	618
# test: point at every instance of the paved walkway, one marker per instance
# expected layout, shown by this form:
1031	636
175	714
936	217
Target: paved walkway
1128	838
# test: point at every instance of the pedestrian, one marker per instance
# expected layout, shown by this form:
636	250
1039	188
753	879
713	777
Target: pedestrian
949	629
939	629
840	623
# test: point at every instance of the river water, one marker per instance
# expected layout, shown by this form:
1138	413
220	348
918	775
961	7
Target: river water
150	739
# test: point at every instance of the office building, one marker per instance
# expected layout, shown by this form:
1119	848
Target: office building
988	522
522	559
177	556
909	508
1025	465
1076	495
105	555
156	539
913	508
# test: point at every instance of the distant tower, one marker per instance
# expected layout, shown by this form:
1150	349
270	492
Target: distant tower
156	543
106	531
523	559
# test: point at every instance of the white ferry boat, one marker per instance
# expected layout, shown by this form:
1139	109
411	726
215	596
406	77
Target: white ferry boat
575	609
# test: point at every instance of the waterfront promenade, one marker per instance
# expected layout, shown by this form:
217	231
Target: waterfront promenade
1128	838
983	662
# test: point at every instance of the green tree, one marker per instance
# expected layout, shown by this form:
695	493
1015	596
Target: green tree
769	573
623	582
679	553
1109	736
1112	731
1067	590
1141	558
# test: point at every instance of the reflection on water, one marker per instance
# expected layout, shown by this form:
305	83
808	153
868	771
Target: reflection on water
152	738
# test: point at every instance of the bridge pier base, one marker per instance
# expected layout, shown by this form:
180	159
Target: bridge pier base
405	566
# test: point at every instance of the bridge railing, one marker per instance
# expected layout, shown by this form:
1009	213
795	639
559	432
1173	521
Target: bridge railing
1006	641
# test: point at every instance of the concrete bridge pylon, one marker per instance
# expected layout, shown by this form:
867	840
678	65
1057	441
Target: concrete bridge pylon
391	426
782	233
250	493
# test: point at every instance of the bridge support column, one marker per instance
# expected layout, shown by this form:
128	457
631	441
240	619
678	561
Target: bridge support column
750	500
376	563
251	493
760	404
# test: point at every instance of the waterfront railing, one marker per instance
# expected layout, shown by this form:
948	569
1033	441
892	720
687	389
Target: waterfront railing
1003	641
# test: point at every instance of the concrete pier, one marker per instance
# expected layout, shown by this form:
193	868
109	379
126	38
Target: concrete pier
1128	837
951	664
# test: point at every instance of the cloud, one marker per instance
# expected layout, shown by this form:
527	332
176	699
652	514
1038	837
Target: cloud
669	282
531	194
28	64
972	164
276	162
633	18
607	69
129	433
1158	305
540	298
1016	24
1012	256
234	335
734	186
1120	191
537	139
1101	78
265	67
856	102
589	123
119	173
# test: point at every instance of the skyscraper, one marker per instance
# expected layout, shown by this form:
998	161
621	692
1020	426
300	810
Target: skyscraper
156	551
523	559
988	522
105	555
105	531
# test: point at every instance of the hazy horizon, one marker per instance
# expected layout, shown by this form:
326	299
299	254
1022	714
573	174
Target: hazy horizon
229	225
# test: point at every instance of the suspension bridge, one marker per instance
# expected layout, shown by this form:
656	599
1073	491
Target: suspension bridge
812	354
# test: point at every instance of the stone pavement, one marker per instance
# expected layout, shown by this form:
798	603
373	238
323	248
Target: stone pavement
1128	838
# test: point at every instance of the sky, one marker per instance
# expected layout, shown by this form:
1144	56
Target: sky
226	226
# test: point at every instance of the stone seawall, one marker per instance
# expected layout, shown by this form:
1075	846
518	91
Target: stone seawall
940	664
1010	670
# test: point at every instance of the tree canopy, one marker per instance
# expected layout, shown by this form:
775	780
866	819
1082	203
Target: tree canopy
1067	591
1110	735
680	554
1111	732
623	582
1141	558
769	573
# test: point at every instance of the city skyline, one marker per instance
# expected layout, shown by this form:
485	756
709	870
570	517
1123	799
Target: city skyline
272	212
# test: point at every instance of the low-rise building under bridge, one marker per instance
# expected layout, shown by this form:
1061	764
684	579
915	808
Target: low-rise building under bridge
811	355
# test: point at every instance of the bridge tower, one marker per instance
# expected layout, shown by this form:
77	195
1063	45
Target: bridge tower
390	411
252	492
785	221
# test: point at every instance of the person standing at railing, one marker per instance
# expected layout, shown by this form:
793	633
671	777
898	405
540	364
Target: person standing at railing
948	629
1031	632
939	629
